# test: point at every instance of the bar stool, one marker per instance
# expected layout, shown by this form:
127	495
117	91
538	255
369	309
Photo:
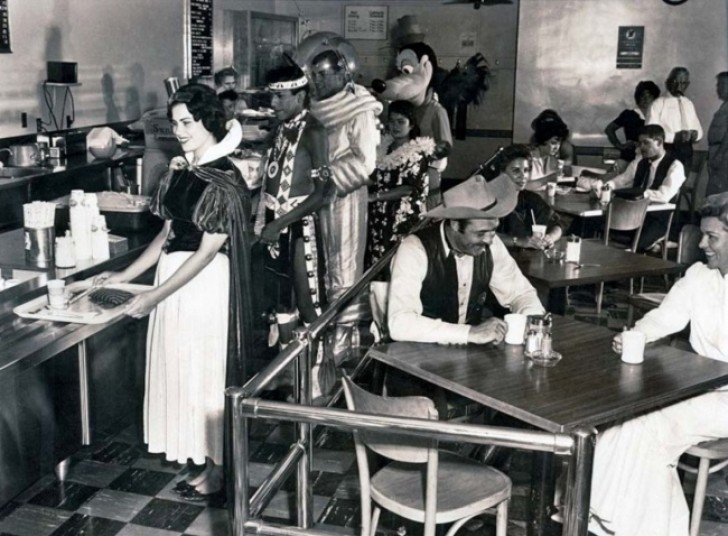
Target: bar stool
706	451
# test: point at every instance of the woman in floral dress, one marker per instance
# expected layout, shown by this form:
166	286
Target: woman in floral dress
399	189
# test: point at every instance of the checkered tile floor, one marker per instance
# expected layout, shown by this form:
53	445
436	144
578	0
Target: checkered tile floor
115	488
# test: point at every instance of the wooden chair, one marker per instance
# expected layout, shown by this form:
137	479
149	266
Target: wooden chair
692	192
706	451
421	483
623	215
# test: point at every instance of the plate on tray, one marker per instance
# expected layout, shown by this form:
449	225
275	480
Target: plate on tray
83	311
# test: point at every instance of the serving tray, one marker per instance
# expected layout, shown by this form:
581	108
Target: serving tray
82	311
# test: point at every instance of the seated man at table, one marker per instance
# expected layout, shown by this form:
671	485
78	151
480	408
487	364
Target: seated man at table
442	275
635	486
658	175
531	209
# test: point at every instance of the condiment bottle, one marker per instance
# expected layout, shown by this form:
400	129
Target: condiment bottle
80	225
100	238
573	249
605	195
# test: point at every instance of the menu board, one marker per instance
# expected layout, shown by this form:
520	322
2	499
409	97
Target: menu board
365	22
4	27
200	37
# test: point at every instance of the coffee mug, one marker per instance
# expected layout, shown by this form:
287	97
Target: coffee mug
515	328
633	347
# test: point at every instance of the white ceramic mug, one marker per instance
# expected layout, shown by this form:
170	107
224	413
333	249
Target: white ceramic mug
633	347
57	294
515	328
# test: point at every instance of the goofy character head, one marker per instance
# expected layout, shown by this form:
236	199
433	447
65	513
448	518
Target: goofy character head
416	64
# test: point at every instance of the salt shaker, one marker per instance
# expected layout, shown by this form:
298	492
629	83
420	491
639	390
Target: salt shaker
533	342
573	249
546	344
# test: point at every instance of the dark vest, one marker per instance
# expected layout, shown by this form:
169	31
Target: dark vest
642	174
439	294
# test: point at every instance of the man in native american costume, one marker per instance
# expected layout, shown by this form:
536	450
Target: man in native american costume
296	182
349	114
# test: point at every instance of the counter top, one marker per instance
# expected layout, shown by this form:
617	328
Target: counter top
25	343
74	163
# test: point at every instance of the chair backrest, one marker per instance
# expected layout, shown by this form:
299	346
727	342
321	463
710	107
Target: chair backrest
625	215
398	448
700	183
392	446
688	250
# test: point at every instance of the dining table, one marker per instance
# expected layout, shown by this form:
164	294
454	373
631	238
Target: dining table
589	388
572	201
598	264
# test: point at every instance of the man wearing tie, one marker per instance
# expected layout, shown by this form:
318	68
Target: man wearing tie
676	114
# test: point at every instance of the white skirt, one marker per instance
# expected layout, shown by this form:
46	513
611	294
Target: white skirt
184	399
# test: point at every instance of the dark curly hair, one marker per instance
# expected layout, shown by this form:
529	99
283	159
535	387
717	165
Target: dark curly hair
406	109
511	153
204	104
646	85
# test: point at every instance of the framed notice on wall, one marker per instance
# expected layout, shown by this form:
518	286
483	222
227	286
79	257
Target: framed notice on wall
4	28
630	44
198	44
365	22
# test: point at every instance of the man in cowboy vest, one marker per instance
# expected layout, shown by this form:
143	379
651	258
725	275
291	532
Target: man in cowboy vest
442	276
658	175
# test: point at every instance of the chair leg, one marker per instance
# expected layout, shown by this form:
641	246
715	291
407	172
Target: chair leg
375	520
599	299
501	519
699	499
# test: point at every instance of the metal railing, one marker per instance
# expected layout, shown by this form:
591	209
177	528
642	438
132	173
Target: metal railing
246	511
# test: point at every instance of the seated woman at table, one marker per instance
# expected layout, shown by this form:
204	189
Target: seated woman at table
630	122
531	208
549	134
566	149
635	486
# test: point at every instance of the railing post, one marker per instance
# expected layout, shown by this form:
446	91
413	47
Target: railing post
578	486
241	500
303	432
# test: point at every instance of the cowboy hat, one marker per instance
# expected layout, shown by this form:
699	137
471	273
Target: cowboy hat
476	199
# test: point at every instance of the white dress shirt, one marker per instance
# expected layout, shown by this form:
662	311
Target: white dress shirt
409	269
667	190
665	111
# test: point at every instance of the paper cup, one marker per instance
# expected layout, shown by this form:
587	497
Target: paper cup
633	347
551	189
57	294
538	231
287	323
515	328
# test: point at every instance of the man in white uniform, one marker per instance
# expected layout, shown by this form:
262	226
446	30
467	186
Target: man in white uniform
635	487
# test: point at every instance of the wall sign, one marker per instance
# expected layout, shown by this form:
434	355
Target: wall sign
4	28
199	43
630	46
365	22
